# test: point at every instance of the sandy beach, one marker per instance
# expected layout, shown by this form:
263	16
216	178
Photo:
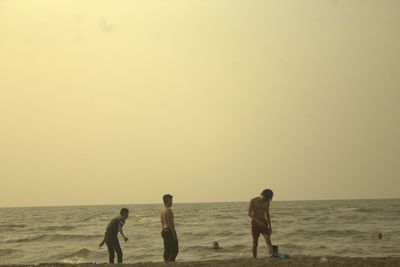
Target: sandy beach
296	261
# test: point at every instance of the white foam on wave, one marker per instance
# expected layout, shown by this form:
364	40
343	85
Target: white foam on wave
347	209
20	238
74	260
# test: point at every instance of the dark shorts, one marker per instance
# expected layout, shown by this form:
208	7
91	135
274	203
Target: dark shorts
171	247
257	229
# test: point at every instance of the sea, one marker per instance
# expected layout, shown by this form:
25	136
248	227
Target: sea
319	228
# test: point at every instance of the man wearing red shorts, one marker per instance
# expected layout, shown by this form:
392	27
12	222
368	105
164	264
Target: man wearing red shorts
261	221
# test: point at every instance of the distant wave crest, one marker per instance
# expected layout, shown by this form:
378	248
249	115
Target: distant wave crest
82	253
208	249
45	237
327	232
61	227
11	226
4	252
347	209
22	238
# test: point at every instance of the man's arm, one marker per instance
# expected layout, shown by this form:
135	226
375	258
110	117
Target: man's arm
251	210
103	241
169	217
122	232
268	216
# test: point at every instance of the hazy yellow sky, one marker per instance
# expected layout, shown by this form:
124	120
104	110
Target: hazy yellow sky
106	102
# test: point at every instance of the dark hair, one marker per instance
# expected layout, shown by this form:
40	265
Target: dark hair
124	211
267	194
167	198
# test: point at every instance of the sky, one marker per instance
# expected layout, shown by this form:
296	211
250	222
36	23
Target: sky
120	102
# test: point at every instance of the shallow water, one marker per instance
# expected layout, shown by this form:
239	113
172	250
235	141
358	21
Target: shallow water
71	234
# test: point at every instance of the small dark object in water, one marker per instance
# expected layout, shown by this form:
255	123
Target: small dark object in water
215	245
380	235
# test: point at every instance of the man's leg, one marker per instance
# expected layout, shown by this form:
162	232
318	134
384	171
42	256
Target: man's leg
167	236
175	250
267	238
255	245
255	232
111	253
118	249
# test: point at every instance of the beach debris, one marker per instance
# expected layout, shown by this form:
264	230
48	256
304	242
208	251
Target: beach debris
323	260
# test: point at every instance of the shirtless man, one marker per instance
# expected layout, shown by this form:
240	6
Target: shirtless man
168	232
261	221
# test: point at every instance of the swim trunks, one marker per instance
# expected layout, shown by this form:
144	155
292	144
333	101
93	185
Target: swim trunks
257	229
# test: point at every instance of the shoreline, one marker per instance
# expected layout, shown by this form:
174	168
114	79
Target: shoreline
298	261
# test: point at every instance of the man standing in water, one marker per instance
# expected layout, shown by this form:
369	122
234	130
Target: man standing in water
168	230
261	220
111	235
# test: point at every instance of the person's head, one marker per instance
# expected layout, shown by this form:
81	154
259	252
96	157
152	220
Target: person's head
215	245
124	213
275	249
167	200
267	194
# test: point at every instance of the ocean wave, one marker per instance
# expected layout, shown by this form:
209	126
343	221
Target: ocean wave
194	234
356	210
366	209
309	218
293	246
338	233
11	226
322	219
74	260
55	227
347	209
82	253
226	233
199	248
147	220
87	219
326	232
235	247
44	237
56	237
225	217
7	251
22	238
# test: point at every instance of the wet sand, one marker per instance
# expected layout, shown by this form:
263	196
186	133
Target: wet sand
295	261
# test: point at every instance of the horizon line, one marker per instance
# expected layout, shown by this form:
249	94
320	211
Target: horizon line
194	202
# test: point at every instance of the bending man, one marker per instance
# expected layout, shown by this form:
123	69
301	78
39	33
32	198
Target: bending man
261	220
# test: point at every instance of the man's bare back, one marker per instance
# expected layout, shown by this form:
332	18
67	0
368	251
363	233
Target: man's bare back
167	218
259	208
